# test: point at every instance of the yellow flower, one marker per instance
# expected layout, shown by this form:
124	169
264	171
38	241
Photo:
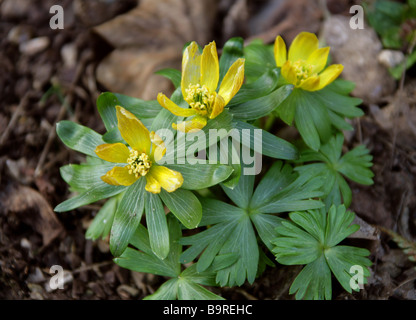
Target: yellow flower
200	76
146	149
304	64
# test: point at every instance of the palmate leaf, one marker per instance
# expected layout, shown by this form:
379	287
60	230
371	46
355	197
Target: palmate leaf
184	285
315	113
331	165
234	228
312	238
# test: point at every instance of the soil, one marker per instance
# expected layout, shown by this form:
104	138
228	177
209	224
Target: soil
49	75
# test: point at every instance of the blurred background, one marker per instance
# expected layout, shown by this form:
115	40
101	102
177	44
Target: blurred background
48	75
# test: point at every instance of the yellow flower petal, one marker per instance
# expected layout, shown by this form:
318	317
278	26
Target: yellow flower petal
329	75
194	125
113	152
210	69
280	52
318	59
310	84
119	176
191	67
158	147
168	104
289	72
152	184
303	46
169	180
232	81
217	107
133	131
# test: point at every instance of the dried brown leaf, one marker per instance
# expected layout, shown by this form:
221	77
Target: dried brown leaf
31	208
149	38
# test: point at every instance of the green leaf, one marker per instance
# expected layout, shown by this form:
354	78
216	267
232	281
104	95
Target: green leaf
339	225
294	245
127	217
78	137
200	176
242	193
86	179
263	86
82	177
215	130
242	241
184	205
145	260
278	177
232	50
231	234
157	225
311	238
167	291
266	225
102	222
354	165
231	229
313	282
184	285
164	119
271	145
193	275
113	136
191	291
338	101
229	156
307	129
107	102
141	262
259	58
397	71
260	107
173	75
293	196
316	112
211	240
341	259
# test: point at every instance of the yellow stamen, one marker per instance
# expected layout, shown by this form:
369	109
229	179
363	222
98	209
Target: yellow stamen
303	71
138	164
199	98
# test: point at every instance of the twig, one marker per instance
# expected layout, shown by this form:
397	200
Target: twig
51	137
404	282
67	102
15	116
92	266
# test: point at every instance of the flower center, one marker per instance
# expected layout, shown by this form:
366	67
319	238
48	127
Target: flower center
138	164
199	98
303	71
